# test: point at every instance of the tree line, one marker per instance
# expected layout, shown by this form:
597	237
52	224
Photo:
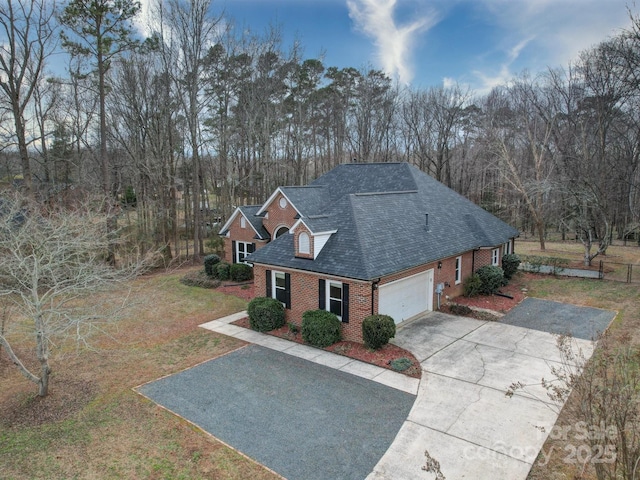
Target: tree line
179	126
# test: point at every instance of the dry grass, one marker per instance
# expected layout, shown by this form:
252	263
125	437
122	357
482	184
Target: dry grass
93	425
616	260
621	297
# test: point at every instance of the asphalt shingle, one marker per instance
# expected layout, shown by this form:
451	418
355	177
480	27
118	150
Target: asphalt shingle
379	212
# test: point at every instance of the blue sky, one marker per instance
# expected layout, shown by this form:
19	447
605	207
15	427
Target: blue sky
479	43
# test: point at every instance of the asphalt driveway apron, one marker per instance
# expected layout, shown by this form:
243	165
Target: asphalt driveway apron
462	416
559	318
301	419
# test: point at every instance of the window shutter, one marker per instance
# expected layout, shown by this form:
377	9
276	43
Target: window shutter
345	302
322	295
234	255
268	284
251	248
287	291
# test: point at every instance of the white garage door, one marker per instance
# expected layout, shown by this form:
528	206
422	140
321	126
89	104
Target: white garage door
407	297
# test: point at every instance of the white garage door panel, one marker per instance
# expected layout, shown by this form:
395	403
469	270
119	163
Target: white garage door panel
408	297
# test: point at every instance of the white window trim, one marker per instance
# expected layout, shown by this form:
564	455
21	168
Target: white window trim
495	257
306	243
243	222
274	286
506	248
458	270
329	297
238	243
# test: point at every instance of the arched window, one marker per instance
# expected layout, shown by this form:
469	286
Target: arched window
303	243
281	231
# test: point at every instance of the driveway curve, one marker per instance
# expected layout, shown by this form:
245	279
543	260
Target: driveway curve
462	417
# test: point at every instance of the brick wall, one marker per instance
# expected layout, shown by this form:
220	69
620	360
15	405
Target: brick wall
304	289
299	229
236	232
483	257
279	217
304	296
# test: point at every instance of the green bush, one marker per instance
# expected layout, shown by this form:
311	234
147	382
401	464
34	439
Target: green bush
377	330
210	261
472	286
400	364
510	263
240	272
265	314
222	271
320	328
492	279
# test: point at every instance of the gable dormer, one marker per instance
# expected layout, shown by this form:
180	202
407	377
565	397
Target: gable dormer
278	214
306	242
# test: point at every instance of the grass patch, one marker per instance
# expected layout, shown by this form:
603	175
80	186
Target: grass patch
111	432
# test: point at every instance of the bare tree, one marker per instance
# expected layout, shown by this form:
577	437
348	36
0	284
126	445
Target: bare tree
191	31
520	135
28	29
52	270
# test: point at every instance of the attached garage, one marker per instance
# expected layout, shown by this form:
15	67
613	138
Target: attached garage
407	297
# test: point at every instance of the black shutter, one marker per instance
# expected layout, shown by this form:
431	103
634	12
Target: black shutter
322	295
287	291
345	302
268	284
251	247
234	254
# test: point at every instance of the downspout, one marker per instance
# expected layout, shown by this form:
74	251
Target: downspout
374	287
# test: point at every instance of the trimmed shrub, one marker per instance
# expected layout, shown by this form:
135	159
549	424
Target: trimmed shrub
240	272
510	263
222	271
320	328
265	314
210	261
377	330
400	364
472	286
492	279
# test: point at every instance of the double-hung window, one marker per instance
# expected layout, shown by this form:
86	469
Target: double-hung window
333	296
279	287
458	278
495	257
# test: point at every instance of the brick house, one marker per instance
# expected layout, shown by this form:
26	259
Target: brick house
363	239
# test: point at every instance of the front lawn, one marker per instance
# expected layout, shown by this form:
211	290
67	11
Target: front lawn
92	425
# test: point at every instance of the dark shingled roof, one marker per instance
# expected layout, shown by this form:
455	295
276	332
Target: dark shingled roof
250	211
379	212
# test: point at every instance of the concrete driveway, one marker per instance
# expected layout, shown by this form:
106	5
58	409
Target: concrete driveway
461	415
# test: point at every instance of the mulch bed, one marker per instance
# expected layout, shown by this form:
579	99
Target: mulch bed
246	291
357	351
516	288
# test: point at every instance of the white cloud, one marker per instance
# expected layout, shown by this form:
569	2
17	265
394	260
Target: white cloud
537	34
394	43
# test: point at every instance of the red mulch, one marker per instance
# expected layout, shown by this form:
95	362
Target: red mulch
357	351
246	291
496	302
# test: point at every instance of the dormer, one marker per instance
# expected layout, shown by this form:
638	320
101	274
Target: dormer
307	243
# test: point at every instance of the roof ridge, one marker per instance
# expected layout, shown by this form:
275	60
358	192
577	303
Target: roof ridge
364	194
